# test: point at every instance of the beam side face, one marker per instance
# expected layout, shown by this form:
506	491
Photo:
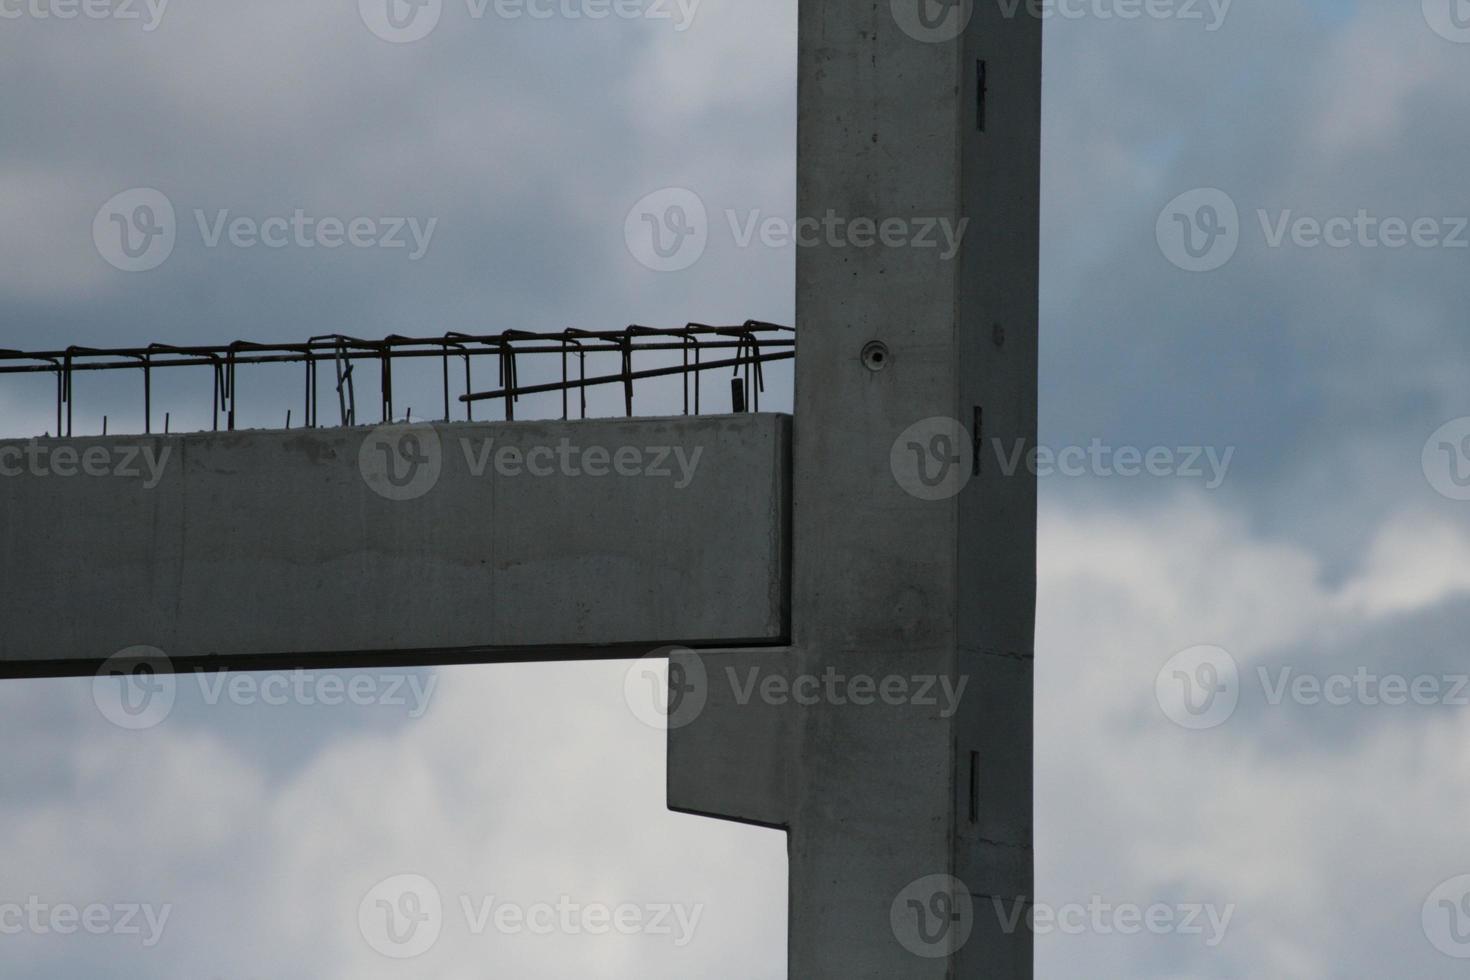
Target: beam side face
445	537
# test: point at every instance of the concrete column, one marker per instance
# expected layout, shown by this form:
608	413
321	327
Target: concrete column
914	112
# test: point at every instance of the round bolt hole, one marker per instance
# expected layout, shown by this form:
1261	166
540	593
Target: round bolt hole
875	356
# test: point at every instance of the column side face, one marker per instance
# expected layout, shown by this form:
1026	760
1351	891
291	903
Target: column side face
874	566
894	545
997	347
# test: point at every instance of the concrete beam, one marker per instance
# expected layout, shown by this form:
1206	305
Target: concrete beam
427	543
730	745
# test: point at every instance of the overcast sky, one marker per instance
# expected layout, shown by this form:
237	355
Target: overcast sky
1332	541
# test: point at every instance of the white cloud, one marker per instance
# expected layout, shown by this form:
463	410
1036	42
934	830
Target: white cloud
1135	809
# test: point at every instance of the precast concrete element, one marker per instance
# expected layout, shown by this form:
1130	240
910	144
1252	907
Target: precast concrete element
910	818
425	543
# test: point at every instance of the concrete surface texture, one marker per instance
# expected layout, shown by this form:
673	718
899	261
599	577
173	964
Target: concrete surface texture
910	822
395	540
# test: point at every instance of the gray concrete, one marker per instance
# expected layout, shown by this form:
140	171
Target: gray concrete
886	584
254	545
275	543
731	756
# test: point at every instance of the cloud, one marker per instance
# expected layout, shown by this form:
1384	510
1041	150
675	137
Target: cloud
1326	856
523	784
